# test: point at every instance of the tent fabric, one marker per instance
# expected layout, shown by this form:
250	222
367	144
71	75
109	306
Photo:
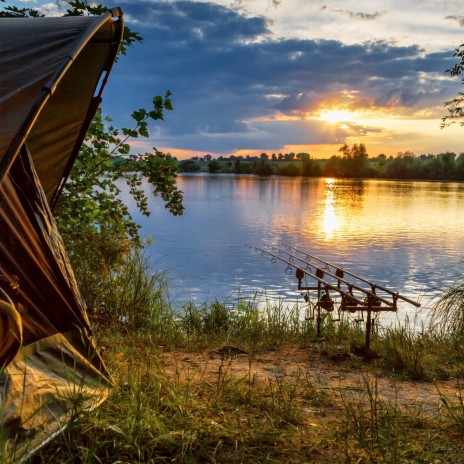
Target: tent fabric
58	61
11	333
53	74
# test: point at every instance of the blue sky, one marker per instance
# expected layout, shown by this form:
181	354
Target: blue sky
284	75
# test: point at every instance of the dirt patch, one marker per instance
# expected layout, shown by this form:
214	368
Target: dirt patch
305	365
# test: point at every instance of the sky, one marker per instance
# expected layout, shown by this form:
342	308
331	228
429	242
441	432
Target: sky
253	76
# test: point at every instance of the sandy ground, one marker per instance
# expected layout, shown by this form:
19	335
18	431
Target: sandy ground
306	365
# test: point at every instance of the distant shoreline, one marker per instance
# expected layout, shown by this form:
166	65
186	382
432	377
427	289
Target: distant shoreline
392	179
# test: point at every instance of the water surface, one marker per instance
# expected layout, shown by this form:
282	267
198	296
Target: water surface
403	235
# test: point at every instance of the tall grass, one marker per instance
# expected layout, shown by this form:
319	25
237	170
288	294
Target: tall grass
454	408
163	413
448	313
133	297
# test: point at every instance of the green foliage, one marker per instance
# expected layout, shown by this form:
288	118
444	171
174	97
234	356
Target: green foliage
84	8
309	166
263	167
132	295
76	8
454	408
214	166
448	313
455	106
15	12
188	166
353	162
94	221
90	209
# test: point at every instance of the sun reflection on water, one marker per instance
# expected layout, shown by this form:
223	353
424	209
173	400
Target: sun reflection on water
330	220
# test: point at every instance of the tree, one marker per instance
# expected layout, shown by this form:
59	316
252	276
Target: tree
359	157
309	166
456	105
333	167
214	166
289	156
345	150
262	167
188	165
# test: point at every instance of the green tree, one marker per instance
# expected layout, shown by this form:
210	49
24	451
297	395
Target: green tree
333	167
214	166
188	165
403	166
90	209
455	106
459	166
448	168
262	167
309	166
353	163
360	166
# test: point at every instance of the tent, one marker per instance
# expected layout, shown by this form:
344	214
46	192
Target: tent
53	71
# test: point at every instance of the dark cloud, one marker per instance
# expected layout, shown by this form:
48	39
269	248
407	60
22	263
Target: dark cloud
227	73
264	135
458	19
356	15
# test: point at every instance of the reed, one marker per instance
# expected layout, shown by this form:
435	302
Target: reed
448	314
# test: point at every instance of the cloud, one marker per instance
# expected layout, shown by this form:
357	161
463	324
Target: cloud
355	15
261	135
229	74
458	19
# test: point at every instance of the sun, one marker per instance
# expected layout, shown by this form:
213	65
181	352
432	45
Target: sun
336	116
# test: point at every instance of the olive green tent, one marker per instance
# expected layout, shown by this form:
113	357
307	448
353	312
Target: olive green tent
53	71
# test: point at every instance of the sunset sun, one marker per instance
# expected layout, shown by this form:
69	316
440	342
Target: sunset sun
336	116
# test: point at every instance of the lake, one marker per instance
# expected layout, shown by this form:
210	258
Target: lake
407	236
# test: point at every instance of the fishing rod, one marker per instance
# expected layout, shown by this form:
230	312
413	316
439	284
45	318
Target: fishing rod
362	279
347	295
371	304
339	278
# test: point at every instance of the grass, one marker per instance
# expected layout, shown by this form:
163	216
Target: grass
241	383
179	405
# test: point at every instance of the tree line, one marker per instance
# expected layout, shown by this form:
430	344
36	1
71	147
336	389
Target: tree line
351	162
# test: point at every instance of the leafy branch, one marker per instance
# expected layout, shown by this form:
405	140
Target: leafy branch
92	217
141	117
455	106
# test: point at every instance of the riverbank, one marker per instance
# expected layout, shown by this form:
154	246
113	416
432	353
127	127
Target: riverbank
221	384
293	402
354	163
